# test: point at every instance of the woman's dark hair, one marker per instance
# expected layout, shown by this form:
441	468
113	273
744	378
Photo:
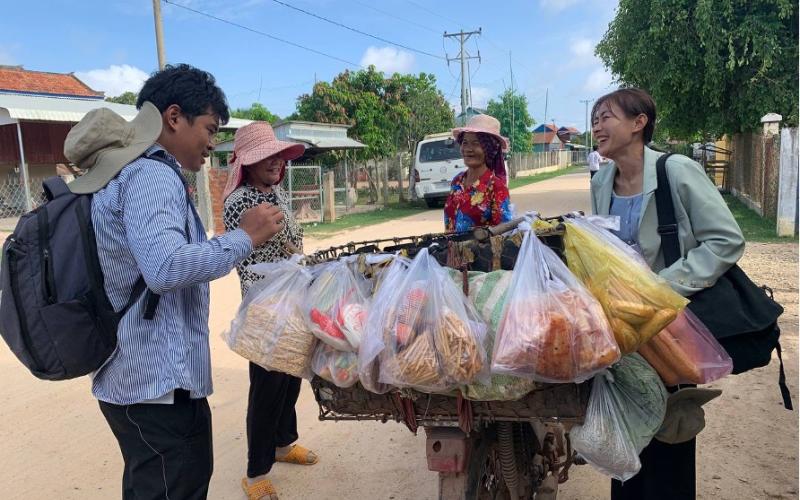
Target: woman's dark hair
194	90
633	102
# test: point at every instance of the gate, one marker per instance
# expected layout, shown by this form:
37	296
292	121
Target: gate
303	188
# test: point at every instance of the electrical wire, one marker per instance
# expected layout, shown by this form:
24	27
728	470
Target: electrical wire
355	30
253	30
413	23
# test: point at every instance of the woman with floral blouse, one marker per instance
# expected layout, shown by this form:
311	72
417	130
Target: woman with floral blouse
479	196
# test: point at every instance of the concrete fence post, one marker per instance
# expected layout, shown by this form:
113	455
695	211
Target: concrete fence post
787	216
204	204
328	187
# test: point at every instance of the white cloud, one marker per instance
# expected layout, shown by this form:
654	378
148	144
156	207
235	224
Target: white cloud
582	47
388	59
557	5
6	56
598	80
114	80
481	97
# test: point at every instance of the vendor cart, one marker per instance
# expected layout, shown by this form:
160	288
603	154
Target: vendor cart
517	449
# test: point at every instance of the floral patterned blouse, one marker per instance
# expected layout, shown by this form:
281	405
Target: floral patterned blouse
485	203
247	196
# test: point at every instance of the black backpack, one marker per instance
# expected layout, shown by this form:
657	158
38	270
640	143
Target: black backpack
54	312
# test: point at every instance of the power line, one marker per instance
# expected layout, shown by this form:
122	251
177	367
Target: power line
253	30
355	30
413	23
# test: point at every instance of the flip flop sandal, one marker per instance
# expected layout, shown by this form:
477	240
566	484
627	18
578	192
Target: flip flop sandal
261	490
297	455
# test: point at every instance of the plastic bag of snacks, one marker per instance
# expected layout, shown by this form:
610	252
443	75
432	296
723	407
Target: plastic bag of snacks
433	337
337	367
336	306
685	352
372	344
638	302
488	292
552	329
269	328
626	409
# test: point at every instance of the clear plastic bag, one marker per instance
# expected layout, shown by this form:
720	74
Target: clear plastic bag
269	328
685	352
626	409
337	367
433	337
336	306
372	343
637	302
552	330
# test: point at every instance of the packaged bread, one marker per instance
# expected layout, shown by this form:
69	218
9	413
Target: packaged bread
338	367
637	302
552	329
434	339
269	328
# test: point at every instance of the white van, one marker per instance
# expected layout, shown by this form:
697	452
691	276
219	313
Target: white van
436	161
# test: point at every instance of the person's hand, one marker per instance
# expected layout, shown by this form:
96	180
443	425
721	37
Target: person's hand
262	222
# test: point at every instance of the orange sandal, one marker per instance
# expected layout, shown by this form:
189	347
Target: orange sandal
261	490
298	455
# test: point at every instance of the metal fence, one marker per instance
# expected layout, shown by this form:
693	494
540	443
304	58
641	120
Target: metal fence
302	185
526	162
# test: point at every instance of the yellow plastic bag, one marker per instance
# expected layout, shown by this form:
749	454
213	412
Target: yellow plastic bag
637	302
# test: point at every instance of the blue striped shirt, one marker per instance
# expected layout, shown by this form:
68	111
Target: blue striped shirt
140	220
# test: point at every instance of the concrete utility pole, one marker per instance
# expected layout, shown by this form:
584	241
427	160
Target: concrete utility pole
511	134
463	56
162	61
586	122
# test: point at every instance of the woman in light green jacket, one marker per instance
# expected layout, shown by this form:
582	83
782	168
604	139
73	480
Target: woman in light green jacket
710	240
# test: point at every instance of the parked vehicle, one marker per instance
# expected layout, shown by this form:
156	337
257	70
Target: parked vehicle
437	160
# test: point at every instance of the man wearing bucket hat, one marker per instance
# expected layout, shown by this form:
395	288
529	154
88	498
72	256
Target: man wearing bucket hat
479	196
256	170
152	390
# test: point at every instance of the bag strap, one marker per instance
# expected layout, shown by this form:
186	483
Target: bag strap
670	247
667	225
54	187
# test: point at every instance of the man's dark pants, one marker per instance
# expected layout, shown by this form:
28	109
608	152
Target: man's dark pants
167	448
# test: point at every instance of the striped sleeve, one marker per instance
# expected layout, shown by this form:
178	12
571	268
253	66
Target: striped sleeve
155	209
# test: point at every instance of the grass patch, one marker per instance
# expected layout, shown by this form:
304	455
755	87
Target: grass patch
754	227
383	214
524	181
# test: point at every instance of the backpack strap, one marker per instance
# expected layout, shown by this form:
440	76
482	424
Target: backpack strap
54	187
670	247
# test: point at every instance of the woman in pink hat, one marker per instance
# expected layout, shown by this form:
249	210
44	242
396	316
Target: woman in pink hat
479	196
257	168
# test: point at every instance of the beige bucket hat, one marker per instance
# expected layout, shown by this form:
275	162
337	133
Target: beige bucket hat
103	142
685	417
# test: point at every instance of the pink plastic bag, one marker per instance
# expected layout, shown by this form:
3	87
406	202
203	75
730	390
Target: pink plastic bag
685	352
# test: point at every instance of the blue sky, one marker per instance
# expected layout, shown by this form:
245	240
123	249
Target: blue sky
110	44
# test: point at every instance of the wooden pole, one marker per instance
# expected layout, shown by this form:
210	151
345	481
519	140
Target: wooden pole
329	211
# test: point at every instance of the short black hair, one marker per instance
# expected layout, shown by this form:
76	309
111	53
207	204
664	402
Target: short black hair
194	90
633	102
594	148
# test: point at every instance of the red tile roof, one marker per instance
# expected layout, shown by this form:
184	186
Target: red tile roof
543	137
17	79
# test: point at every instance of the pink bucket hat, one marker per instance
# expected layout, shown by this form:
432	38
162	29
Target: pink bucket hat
484	124
251	144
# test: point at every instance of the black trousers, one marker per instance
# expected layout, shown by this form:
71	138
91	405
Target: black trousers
271	418
668	473
592	172
167	449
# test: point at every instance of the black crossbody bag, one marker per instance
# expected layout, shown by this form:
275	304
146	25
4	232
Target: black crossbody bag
742	316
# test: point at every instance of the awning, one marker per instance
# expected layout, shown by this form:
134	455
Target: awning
15	108
327	143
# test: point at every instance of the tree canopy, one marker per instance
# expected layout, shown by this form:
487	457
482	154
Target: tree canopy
512	108
256	111
712	66
387	114
124	98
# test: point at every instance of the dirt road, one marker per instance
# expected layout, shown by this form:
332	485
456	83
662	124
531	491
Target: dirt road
55	443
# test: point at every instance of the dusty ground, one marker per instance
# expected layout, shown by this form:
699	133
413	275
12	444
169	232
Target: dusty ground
55	443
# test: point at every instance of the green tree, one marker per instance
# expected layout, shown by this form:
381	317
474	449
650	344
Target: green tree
124	98
712	66
512	108
256	111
